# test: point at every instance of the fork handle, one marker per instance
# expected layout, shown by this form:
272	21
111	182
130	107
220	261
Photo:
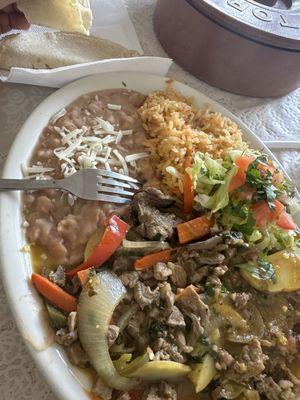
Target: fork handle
24	184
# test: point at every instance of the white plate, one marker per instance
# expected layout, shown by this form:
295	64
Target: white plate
25	304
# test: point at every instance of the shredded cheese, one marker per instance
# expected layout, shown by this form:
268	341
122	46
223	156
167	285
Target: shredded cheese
114	107
61	113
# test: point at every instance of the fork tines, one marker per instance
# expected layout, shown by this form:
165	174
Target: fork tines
114	183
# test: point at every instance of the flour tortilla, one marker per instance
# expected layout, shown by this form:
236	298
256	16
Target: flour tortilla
64	15
56	49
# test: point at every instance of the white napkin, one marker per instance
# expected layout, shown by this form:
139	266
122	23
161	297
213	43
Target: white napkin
111	21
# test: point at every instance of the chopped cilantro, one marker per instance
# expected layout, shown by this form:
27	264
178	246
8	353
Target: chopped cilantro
209	290
157	330
262	181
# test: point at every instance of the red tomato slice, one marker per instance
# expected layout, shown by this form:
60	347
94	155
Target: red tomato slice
285	221
263	214
239	179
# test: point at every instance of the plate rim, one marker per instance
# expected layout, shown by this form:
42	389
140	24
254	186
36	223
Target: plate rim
80	84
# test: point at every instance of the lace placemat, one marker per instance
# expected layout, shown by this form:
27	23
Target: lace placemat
269	119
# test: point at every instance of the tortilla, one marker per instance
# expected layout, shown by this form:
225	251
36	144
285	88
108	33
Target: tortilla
66	15
56	49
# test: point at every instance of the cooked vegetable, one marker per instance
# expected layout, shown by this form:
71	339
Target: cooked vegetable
113	235
286	265
94	316
263	270
263	214
139	249
255	327
126	367
230	315
188	190
259	176
195	228
129	244
58	320
249	395
151	259
238	180
295	368
55	294
206	173
220	197
93	242
231	390
203	373
161	370
286	221
83	276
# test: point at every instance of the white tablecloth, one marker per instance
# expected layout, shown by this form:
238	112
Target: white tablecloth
269	119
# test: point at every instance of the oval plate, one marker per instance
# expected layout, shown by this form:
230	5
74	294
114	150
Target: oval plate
66	381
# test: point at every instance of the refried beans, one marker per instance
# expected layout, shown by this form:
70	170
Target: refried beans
56	223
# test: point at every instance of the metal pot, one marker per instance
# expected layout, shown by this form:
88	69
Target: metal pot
242	46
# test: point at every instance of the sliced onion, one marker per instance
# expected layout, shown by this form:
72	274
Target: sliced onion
94	315
130	244
256	327
231	390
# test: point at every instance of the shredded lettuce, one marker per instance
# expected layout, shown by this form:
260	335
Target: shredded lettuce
220	198
276	238
206	173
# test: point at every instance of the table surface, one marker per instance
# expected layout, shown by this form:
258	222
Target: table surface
270	119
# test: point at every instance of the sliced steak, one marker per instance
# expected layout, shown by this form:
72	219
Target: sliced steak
77	355
189	301
176	318
144	296
249	364
161	271
153	224
178	277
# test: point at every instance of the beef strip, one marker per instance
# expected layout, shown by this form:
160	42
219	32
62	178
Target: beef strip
167	296
282	390
101	390
250	363
189	301
180	340
129	279
199	275
144	296
162	391
67	336
197	328
176	318
123	396
77	355
200	258
58	277
240	300
112	334
137	329
161	271
208	244
223	360
165	350
152	224
178	277
64	337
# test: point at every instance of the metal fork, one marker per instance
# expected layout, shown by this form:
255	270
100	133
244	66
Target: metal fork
88	184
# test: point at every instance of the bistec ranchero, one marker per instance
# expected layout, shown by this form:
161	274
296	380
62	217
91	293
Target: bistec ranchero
192	290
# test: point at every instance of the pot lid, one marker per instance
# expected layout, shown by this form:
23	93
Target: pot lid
272	22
